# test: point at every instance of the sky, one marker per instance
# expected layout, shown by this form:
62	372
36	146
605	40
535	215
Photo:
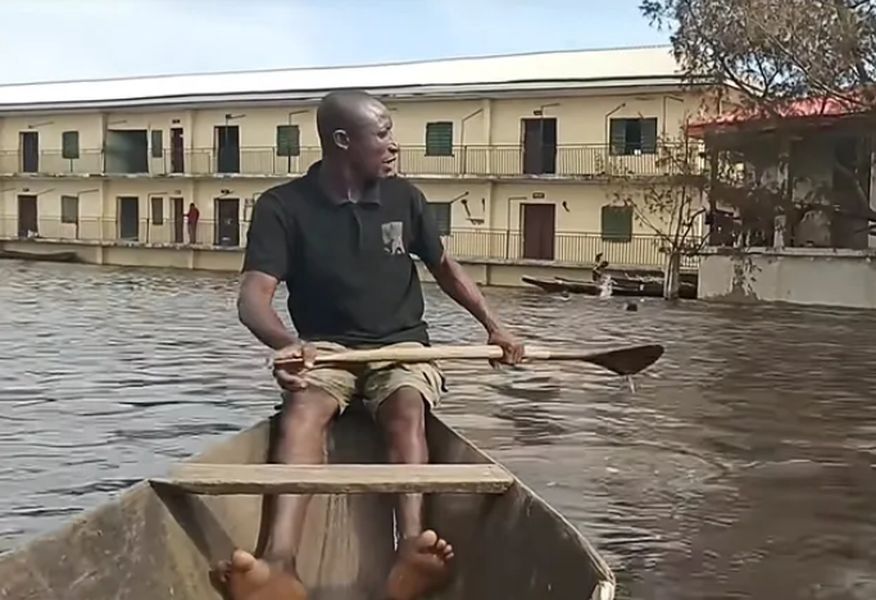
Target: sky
52	40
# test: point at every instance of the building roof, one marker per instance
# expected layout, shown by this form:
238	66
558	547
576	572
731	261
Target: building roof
813	110
653	65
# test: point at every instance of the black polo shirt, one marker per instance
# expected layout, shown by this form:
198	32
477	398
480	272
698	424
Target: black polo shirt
347	266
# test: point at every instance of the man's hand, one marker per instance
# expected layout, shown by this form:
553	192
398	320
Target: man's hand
291	378
512	347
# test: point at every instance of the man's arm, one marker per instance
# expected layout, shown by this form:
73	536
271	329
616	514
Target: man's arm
256	311
455	282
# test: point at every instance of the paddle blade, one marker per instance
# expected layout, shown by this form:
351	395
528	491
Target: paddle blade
628	361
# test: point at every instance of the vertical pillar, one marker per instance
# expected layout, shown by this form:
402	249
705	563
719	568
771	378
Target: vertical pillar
871	239
780	223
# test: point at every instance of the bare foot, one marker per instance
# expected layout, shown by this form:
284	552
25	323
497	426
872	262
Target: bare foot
420	567
248	578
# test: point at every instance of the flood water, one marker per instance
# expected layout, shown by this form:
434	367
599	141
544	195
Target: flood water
741	467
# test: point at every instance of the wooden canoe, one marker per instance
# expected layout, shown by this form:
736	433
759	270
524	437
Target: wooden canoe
157	540
40	256
626	287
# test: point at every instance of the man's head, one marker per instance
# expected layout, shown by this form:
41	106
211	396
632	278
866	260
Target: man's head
356	129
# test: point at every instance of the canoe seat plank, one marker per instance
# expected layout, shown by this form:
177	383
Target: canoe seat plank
221	479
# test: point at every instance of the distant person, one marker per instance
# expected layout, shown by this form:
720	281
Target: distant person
193	215
340	238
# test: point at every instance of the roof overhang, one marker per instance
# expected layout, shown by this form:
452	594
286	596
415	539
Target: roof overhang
528	89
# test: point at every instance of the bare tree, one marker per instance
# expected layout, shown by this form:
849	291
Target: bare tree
670	205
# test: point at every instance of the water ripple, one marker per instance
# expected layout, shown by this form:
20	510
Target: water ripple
741	467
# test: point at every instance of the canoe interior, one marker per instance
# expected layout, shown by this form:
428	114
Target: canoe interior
152	542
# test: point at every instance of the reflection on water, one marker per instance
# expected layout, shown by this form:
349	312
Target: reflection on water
742	466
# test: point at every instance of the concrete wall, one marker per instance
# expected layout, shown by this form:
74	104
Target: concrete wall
493	196
231	260
50	127
581	119
798	275
494	208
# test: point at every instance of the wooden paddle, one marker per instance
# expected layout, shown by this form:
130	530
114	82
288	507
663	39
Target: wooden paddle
622	361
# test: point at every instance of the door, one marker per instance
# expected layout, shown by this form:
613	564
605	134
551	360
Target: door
539	146
227	212
177	214
177	156
228	143
538	231
30	152
27	216
129	218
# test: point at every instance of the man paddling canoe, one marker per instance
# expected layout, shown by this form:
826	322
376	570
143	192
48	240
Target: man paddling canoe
341	239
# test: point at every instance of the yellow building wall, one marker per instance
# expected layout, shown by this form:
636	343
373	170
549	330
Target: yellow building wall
257	126
584	119
51	127
150	120
477	195
581	120
410	119
49	193
582	211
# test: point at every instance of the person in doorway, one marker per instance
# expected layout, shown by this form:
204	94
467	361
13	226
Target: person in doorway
192	218
341	237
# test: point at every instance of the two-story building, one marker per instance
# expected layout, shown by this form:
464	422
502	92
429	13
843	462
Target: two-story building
516	155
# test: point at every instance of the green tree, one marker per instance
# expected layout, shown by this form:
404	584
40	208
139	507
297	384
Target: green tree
776	50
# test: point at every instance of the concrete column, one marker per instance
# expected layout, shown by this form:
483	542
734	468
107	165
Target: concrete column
488	121
871	239
780	235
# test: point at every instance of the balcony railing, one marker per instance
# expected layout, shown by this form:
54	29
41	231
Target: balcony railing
52	162
580	160
570	248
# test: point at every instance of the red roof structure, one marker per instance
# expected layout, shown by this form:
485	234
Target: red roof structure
810	111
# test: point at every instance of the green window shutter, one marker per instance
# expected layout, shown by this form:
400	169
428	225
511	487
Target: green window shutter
618	136
439	138
617	223
157	210
649	136
157	143
441	214
69	209
70	144
288	140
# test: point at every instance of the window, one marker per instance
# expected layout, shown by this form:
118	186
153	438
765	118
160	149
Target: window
288	140
157	143
69	209
439	138
441	214
157	211
633	136
70	145
127	151
617	223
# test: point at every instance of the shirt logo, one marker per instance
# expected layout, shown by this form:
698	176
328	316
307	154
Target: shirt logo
393	239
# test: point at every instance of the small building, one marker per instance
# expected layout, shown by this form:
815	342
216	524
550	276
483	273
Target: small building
516	155
793	201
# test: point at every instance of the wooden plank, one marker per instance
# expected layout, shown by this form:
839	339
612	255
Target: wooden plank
220	479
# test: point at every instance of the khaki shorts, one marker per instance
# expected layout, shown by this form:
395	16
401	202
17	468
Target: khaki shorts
374	382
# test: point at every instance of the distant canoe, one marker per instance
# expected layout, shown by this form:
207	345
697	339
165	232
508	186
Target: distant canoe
41	256
621	286
157	541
